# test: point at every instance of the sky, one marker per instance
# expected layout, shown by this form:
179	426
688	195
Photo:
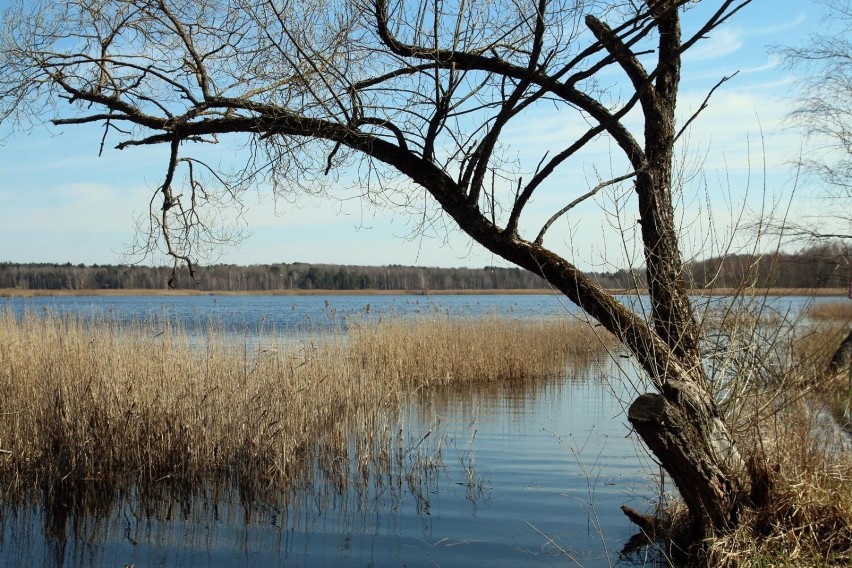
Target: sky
61	202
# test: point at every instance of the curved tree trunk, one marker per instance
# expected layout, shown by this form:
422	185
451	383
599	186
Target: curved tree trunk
681	422
694	447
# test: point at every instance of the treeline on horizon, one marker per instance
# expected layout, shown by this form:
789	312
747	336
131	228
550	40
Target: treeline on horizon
823	266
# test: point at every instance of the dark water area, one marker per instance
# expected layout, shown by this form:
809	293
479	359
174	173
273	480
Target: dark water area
501	477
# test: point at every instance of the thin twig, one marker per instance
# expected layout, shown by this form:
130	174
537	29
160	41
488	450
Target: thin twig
704	103
593	191
552	543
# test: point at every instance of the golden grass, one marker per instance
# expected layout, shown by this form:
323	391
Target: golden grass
96	401
763	292
784	418
782	405
803	510
35	293
838	311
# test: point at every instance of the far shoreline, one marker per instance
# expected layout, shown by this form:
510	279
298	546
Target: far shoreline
113	292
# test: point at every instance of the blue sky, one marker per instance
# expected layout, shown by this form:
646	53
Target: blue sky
60	202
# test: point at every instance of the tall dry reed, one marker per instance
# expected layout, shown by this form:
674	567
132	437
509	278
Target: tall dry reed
780	400
801	513
838	311
88	401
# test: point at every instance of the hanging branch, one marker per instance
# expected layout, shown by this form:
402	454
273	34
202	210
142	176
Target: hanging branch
170	201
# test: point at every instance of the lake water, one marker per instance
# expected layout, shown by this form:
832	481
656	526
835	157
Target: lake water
512	476
250	314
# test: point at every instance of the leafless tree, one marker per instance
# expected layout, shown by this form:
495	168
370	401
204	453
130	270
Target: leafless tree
419	99
823	110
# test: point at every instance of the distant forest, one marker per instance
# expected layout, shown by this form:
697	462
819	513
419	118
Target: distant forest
824	266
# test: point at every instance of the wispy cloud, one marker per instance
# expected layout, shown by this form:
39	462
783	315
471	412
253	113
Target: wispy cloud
794	22
722	43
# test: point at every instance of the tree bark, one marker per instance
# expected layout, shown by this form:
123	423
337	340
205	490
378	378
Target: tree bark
681	423
694	447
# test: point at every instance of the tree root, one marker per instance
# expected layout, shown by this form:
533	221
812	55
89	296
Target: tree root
650	530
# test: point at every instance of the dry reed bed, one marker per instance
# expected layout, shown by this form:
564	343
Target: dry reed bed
838	311
780	407
95	401
802	515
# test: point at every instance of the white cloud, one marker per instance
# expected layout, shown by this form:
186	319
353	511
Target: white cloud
779	27
57	195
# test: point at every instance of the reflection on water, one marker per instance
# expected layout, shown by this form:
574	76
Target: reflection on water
531	473
498	476
501	476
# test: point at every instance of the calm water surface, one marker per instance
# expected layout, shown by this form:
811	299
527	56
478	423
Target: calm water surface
282	314
506	477
520	476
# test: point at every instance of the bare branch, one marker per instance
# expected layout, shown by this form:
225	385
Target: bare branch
591	193
704	103
423	94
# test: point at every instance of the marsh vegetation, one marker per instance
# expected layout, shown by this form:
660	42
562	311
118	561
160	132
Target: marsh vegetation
790	415
99	402
106	413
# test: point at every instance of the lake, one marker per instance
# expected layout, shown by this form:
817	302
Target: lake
500	477
252	314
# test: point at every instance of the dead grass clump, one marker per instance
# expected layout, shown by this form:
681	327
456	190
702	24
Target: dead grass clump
801	514
784	408
470	351
801	520
798	455
816	344
814	351
837	311
88	401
